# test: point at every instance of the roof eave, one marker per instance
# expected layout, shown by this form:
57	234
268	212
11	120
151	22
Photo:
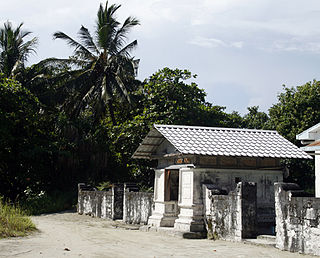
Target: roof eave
308	134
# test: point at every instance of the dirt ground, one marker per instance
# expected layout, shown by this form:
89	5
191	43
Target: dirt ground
73	235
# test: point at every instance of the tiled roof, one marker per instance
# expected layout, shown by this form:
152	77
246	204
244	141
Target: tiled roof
215	141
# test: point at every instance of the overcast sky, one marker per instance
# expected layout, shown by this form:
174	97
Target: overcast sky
243	51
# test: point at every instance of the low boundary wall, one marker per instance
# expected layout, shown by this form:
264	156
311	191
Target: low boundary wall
137	207
120	202
297	220
231	216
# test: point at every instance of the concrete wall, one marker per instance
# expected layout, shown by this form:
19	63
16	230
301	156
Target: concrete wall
231	216
96	203
317	173
297	220
137	207
226	180
132	207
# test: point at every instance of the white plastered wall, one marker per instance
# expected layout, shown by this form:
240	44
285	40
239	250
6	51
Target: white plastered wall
317	173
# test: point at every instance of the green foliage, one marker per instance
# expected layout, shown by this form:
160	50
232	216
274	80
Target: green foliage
166	97
297	110
13	221
80	119
14	51
35	204
104	186
255	119
24	136
169	99
104	66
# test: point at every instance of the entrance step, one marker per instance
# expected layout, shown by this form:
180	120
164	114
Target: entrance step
262	240
267	237
170	231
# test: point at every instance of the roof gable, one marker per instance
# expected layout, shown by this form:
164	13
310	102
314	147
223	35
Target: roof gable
216	141
311	134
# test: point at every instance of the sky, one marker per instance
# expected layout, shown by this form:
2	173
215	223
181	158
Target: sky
243	51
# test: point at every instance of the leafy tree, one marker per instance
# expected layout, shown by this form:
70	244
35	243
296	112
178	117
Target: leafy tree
14	50
26	141
297	110
104	66
255	119
167	97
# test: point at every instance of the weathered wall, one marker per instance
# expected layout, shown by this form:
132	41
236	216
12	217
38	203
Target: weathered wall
226	179
96	203
231	216
137	207
132	207
317	173
297	220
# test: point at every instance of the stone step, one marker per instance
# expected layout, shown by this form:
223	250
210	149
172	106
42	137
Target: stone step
262	240
267	237
170	231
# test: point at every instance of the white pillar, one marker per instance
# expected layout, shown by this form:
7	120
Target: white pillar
190	218
165	212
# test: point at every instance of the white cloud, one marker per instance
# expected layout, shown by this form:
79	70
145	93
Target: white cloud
238	44
210	31
213	43
296	45
207	42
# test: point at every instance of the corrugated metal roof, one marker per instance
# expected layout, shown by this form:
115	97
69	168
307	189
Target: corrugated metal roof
315	143
312	147
216	141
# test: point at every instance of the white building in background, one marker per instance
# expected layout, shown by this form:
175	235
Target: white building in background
191	156
311	138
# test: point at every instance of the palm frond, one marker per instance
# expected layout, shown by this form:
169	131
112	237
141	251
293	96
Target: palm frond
122	88
126	50
106	25
87	39
121	35
27	48
63	62
71	42
15	51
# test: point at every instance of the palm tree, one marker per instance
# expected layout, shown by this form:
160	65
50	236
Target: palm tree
102	65
14	51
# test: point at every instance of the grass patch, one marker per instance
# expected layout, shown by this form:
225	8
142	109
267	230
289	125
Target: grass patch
13	221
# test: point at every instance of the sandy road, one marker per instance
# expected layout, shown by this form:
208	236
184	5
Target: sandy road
72	235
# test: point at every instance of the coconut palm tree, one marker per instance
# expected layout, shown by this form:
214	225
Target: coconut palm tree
14	51
102	65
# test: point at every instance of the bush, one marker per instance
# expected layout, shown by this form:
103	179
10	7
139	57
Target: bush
48	203
13	221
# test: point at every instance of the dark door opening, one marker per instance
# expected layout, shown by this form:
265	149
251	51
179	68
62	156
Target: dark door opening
171	185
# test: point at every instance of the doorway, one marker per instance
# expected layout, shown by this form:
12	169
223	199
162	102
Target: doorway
171	183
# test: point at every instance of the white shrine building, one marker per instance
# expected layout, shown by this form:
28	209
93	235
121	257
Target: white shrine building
311	138
190	156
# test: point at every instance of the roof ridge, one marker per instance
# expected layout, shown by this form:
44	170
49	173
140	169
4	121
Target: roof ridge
216	128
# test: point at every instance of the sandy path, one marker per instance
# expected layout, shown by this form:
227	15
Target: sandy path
69	234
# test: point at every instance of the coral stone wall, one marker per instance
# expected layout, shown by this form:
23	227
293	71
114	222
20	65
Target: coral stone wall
297	220
231	216
137	207
96	203
117	203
